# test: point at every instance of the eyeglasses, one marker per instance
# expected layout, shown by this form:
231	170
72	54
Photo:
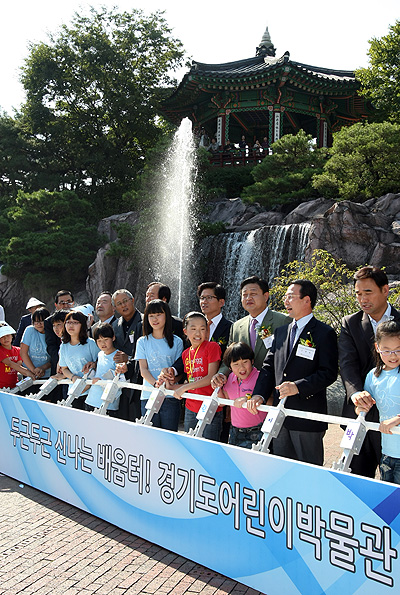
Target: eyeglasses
123	302
38	322
72	322
290	296
207	298
387	352
66	303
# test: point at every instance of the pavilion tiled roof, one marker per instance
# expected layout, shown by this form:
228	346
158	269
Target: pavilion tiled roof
260	65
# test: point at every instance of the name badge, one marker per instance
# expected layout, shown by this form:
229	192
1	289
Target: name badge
268	341
306	352
132	338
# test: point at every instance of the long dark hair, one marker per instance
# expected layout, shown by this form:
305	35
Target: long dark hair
158	307
391	328
83	333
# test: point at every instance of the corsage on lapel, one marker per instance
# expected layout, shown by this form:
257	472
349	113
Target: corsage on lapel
221	341
308	341
264	331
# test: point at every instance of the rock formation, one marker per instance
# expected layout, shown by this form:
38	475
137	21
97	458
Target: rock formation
353	232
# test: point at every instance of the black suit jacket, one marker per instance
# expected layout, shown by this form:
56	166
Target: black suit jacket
52	342
25	321
96	324
127	342
221	333
357	357
128	345
177	328
311	377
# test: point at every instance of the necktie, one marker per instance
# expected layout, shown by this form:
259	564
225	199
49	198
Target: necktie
292	337
253	334
209	323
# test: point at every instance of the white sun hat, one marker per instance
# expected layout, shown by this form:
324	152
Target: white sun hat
6	329
34	302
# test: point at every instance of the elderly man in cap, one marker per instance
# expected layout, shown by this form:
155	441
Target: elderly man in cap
26	320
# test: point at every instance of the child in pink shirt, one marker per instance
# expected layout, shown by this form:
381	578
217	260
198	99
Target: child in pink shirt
246	427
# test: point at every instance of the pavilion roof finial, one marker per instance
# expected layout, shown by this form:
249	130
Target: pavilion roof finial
266	47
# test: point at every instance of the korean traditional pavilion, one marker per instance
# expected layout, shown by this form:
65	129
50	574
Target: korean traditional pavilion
266	96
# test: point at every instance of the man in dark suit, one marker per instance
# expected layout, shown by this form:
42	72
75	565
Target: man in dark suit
127	329
301	364
212	299
64	300
104	309
160	291
357	357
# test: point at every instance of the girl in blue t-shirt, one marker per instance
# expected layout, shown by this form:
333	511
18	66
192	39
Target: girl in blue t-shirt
383	384
104	336
78	352
158	348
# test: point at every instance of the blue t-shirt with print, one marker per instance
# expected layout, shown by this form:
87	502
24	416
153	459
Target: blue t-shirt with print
74	357
386	391
105	363
158	355
37	348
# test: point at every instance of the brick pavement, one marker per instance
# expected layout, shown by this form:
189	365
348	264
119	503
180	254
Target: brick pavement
50	547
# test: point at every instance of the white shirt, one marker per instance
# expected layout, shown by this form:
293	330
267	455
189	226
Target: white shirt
214	323
301	323
386	316
259	318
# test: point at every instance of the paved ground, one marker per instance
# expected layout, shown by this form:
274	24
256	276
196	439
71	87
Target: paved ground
50	547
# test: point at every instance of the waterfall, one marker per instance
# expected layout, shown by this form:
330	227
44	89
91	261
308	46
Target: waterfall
229	258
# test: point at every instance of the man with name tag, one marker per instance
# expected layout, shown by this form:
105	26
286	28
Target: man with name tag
257	329
301	364
357	357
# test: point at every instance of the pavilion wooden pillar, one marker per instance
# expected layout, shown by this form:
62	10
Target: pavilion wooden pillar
221	128
322	131
277	123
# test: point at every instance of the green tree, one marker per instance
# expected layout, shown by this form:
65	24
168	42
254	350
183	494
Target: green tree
50	238
364	162
15	158
333	280
286	174
92	98
381	79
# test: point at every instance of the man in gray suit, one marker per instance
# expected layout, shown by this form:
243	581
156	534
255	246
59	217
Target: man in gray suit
127	329
256	329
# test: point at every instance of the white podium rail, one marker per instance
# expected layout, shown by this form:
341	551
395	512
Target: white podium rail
353	438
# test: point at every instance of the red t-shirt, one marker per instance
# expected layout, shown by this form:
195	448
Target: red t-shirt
197	368
8	376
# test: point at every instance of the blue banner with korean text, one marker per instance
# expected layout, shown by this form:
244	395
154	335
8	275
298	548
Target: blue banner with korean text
268	522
